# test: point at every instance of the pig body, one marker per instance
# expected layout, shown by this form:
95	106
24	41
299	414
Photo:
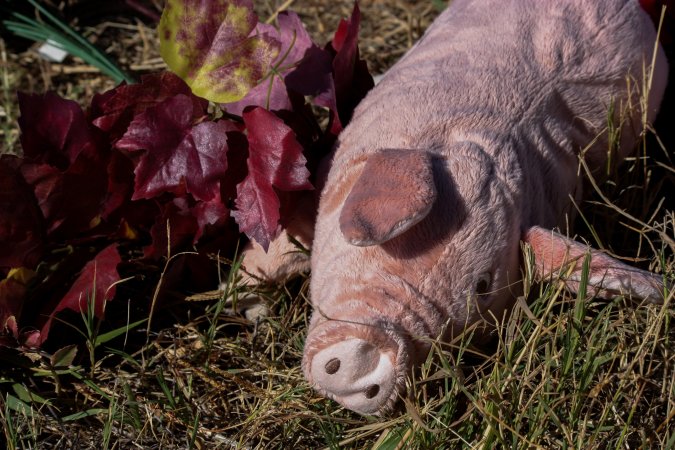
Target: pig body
470	143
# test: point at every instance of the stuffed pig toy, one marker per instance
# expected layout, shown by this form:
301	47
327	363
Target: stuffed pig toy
469	145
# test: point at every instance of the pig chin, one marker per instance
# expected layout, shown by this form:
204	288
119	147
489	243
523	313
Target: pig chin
363	366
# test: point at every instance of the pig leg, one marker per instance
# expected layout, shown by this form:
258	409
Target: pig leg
287	254
283	260
556	255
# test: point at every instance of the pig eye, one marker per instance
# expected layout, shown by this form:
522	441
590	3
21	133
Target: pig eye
483	284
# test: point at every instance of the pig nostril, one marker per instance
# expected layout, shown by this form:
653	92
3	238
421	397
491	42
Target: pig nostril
372	390
332	366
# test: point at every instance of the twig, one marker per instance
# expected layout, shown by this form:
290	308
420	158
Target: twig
280	9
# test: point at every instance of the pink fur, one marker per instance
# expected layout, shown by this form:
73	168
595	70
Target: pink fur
500	98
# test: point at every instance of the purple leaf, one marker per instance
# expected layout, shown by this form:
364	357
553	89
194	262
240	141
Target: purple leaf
296	44
53	130
71	201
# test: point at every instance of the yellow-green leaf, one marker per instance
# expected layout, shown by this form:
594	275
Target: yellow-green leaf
213	45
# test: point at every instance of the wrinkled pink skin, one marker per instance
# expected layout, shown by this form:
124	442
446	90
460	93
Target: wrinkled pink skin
492	107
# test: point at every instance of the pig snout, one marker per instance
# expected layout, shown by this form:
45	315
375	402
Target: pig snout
356	373
364	370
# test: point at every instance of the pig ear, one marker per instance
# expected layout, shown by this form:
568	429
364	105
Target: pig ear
558	256
394	192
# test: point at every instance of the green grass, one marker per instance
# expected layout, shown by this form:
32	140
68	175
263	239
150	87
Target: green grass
561	372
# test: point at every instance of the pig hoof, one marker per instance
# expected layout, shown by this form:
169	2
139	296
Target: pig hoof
249	304
355	373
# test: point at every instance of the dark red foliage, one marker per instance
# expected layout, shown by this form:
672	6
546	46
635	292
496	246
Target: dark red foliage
150	171
120	173
173	231
22	226
71	201
59	129
351	79
94	286
114	110
181	155
209	214
350	72
65	158
275	161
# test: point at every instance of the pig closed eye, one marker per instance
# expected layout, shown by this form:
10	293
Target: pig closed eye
483	283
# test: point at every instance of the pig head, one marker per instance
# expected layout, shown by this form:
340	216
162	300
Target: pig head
420	251
469	144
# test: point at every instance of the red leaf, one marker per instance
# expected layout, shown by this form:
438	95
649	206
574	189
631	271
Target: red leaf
53	130
71	201
22	226
182	226
120	172
275	160
351	79
314	74
65	163
95	283
114	110
257	208
208	214
180	156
